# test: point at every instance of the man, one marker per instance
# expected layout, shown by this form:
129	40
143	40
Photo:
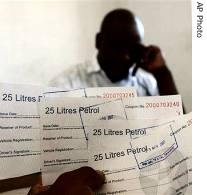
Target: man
122	60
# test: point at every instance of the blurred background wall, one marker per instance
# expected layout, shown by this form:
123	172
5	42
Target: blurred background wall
41	38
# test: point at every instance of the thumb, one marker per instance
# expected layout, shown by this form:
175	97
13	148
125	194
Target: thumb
85	176
84	190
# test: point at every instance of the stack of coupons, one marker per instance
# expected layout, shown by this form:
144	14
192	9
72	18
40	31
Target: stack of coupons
142	144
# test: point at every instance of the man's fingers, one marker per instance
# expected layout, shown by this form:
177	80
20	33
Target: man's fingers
152	59
84	176
84	190
38	189
150	53
78	182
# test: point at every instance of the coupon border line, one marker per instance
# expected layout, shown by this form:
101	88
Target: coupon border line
83	126
124	108
99	104
173	134
174	148
134	156
138	137
150	127
93	105
84	90
62	91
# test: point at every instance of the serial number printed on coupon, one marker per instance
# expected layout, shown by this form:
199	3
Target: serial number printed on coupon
162	104
118	95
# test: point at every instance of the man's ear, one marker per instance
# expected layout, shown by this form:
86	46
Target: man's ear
98	40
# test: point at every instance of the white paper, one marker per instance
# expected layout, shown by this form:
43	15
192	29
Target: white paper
69	117
19	123
19	130
64	139
153	107
22	191
158	160
103	92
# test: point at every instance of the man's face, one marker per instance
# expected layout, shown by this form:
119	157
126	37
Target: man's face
116	50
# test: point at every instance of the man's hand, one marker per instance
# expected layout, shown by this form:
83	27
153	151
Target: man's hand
152	59
82	181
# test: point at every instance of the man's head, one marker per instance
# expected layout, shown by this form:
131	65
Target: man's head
118	37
